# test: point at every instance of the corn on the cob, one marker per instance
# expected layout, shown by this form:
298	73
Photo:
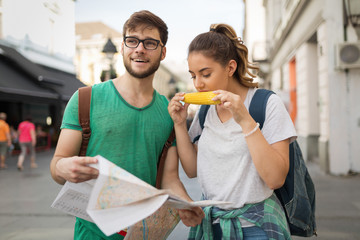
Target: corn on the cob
200	98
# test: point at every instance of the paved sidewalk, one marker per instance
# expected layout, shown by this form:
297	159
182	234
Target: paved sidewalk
337	205
25	212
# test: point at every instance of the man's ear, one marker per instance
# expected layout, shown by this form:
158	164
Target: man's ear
163	53
232	66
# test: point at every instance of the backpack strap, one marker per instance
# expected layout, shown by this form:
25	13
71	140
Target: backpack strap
257	108
202	115
84	117
161	162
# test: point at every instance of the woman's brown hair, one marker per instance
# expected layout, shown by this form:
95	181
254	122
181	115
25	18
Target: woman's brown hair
222	44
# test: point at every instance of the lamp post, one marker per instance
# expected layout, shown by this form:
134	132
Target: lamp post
109	50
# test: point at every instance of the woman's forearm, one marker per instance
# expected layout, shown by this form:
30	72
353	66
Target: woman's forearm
187	151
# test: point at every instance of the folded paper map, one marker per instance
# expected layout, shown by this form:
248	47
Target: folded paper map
116	200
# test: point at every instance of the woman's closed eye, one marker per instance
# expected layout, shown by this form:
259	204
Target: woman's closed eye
207	75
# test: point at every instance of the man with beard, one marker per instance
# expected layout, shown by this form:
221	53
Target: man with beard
129	122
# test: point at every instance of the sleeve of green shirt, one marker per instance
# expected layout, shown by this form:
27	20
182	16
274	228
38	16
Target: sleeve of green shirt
71	116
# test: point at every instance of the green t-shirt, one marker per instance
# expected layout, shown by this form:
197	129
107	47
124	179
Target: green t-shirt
130	137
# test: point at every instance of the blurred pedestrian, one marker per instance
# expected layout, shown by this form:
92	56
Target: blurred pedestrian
27	141
5	139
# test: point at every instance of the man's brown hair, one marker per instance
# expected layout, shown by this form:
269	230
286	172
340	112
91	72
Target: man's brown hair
148	19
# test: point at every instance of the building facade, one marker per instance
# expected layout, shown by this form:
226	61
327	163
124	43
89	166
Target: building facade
91	38
37	46
311	56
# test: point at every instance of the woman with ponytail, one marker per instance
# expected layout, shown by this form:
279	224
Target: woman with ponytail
234	160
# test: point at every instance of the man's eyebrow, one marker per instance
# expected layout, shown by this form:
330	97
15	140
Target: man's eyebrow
146	38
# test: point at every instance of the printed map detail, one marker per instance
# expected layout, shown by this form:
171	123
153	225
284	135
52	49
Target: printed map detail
158	226
121	188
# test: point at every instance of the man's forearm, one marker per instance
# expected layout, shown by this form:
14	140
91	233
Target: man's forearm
56	178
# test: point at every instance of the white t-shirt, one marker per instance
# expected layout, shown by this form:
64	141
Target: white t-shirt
225	169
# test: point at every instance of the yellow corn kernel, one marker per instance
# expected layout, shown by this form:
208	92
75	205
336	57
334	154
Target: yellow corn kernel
200	98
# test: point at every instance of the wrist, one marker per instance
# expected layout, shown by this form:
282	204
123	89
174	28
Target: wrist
247	124
180	125
247	134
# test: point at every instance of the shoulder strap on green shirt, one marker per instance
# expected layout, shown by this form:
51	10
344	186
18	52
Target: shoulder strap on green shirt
84	117
161	162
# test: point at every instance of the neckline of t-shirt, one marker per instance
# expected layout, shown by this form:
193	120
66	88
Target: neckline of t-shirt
129	105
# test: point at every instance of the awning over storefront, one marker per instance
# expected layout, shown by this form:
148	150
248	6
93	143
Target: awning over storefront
15	83
21	79
70	83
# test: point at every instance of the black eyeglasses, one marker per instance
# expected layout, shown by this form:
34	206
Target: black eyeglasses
149	44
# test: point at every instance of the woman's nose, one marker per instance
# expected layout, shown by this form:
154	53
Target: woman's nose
198	83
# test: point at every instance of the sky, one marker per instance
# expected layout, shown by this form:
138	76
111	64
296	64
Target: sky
185	19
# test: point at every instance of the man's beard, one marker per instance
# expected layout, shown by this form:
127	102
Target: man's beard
145	74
